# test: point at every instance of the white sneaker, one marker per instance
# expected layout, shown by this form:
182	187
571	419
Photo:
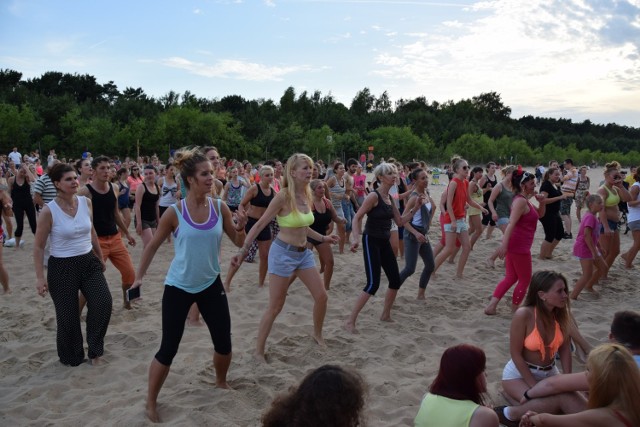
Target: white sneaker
11	243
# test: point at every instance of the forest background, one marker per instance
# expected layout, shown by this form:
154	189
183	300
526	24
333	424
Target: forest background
74	113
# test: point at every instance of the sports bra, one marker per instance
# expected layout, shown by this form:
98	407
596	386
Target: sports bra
613	198
295	219
534	342
261	200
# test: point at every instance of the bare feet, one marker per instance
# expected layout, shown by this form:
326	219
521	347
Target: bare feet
386	318
320	341
152	413
224	385
5	289
261	358
350	327
490	263
421	295
491	309
96	361
459	276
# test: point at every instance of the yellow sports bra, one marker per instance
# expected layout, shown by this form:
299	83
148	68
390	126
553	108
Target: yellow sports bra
295	219
613	198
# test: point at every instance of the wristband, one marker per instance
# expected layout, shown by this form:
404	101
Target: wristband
526	395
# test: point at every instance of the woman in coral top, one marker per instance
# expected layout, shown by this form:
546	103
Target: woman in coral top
455	224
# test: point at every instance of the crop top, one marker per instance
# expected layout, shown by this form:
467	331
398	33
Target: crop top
262	200
613	198
295	219
534	341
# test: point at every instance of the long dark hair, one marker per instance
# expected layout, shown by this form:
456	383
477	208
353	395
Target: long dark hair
457	378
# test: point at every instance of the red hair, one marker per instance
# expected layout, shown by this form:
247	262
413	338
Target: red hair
457	378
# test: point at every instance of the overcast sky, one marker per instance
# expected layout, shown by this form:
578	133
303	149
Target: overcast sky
576	59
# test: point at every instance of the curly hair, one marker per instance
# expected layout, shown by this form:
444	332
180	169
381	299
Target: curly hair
328	396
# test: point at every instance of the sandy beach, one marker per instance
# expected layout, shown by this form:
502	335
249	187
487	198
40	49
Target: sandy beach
398	360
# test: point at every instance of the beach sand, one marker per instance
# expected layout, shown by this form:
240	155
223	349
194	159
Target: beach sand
398	360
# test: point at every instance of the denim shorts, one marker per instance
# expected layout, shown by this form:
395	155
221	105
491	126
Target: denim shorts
634	225
613	226
502	221
284	259
461	225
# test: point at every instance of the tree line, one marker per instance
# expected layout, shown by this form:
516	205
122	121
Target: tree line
74	113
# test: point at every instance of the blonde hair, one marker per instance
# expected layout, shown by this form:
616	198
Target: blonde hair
384	169
614	380
266	168
455	162
591	199
289	185
611	167
507	170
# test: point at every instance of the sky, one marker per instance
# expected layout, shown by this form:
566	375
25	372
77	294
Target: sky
574	59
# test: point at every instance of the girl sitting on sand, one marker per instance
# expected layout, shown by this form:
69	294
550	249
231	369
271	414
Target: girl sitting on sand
586	248
455	396
614	387
539	330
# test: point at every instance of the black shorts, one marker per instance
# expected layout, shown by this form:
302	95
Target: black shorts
264	235
487	219
553	228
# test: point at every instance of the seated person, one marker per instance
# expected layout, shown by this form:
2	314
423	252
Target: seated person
556	395
455	396
614	390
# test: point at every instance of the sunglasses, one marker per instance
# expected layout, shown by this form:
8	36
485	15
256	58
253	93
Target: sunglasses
525	176
465	167
617	177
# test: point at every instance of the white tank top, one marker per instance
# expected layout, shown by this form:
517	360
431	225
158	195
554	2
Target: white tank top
70	235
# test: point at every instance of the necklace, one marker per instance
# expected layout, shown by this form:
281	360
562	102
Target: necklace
69	207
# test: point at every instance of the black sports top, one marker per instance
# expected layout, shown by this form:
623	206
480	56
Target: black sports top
262	200
379	220
103	211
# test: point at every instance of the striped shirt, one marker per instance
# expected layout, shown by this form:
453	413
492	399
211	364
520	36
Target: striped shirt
44	186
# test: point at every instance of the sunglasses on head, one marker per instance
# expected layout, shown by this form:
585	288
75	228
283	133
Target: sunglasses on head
525	176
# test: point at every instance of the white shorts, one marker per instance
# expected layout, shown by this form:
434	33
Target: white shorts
511	372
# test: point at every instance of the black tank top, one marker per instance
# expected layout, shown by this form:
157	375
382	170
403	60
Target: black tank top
379	220
103	207
148	206
21	193
486	195
321	220
261	200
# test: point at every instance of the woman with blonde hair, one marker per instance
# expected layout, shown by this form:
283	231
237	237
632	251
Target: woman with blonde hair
289	254
614	393
612	192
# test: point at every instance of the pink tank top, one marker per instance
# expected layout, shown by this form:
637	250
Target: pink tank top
522	236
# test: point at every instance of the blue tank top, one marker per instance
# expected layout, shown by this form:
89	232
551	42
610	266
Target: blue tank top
123	198
196	263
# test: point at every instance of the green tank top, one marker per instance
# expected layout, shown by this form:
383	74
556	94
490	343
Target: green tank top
440	411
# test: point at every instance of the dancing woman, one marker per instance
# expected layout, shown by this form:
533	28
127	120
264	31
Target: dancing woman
197	224
288	253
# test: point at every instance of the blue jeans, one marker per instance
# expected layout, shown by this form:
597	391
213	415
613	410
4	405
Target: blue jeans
413	248
349	213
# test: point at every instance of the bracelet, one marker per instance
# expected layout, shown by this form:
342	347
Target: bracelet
526	395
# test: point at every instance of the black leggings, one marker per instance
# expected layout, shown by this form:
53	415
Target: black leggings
19	209
378	255
212	303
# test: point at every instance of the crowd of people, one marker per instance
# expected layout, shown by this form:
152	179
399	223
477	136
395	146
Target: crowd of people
280	213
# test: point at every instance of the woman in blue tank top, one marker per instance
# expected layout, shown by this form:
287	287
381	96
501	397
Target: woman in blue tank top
197	224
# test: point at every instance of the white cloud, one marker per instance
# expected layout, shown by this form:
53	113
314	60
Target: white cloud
234	69
549	55
270	3
197	11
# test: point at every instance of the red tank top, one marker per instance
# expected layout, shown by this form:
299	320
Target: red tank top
522	236
459	200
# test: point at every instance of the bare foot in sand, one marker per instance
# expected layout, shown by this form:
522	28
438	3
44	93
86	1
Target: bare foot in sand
152	413
224	385
489	263
320	341
350	327
260	358
96	361
421	296
386	318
